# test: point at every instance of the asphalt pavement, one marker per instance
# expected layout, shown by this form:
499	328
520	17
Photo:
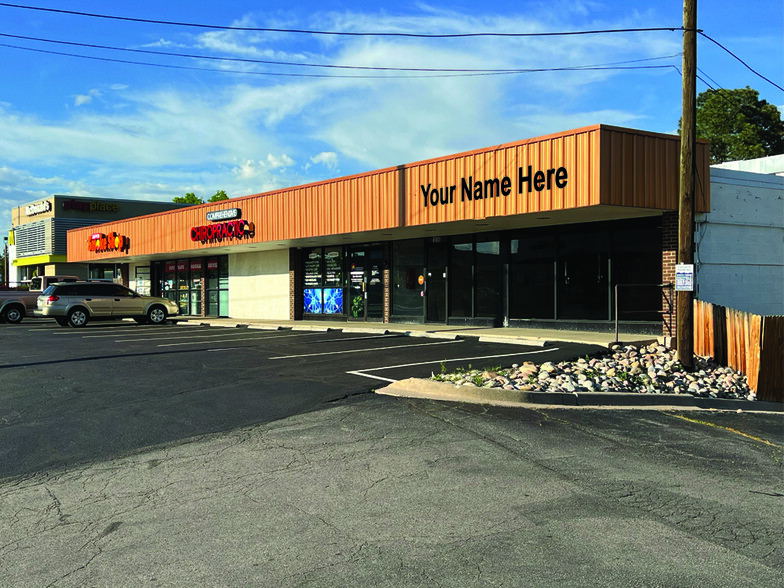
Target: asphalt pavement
194	455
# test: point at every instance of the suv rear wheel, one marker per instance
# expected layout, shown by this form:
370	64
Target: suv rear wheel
78	317
157	315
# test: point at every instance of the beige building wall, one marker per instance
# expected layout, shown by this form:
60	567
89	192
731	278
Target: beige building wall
259	285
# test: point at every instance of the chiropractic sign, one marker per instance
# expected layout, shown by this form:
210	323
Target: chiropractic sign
527	181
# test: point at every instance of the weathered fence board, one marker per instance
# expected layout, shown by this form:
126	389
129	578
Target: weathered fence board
749	343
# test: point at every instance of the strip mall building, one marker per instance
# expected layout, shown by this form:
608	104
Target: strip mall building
537	232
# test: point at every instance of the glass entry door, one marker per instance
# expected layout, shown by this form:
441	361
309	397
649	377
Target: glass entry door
366	283
435	283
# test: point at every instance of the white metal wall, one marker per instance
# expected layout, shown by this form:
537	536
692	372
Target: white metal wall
740	243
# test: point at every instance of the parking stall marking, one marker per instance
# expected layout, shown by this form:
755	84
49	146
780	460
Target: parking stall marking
365	350
262	335
439	361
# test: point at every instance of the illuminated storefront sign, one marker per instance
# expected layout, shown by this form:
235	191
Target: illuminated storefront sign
237	229
39	208
99	242
527	181
219	215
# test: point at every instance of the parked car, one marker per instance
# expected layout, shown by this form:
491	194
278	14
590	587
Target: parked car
17	304
77	303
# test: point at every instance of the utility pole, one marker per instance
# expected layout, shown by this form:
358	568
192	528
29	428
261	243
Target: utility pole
685	299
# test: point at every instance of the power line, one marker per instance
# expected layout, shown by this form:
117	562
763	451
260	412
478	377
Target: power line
320	65
456	73
336	33
751	69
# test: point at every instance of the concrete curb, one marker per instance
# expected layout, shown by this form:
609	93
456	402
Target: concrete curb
430	389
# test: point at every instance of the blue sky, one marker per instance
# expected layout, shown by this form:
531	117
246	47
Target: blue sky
117	130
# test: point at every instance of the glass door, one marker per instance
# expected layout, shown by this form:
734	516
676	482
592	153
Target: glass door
366	283
435	283
195	286
375	283
357	284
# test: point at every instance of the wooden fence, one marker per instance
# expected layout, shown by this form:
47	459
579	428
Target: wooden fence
749	343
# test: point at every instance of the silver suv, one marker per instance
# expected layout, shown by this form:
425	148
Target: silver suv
76	303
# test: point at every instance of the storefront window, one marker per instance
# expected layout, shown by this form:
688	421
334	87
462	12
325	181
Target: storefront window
532	277
487	294
636	266
582	274
195	286
461	280
183	293
217	286
104	271
408	263
324	280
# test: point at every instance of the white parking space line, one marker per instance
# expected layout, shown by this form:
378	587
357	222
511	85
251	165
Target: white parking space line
227	338
439	361
364	350
202	342
260	335
390	380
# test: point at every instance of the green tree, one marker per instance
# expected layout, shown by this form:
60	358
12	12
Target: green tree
739	125
189	198
219	195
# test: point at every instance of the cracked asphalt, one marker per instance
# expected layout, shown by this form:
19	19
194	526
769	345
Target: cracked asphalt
374	490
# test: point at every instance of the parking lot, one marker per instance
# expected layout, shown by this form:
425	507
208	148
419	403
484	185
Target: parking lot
71	395
192	455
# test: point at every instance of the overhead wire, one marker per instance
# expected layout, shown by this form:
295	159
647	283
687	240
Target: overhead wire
319	65
751	69
423	74
378	34
333	33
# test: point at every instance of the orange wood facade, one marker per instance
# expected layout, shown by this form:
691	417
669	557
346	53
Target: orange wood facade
592	166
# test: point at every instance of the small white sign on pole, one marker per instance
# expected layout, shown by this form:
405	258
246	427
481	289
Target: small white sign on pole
684	277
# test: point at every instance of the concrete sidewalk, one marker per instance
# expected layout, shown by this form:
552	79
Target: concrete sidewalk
523	336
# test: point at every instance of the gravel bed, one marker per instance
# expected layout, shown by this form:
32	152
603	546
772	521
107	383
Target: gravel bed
652	369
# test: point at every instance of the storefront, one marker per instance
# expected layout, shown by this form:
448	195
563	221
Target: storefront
563	230
198	285
38	239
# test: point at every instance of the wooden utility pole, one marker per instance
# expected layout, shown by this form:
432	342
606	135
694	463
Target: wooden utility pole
685	299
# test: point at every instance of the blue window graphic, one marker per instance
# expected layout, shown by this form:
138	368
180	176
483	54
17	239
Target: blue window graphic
313	300
333	300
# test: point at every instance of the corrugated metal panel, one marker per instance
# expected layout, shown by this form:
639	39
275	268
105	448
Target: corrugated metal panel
642	170
584	167
575	152
357	203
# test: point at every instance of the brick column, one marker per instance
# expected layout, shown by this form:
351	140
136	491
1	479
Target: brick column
387	280
296	285
669	259
204	271
125	274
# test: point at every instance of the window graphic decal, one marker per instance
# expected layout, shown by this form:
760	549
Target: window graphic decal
313	300
333	300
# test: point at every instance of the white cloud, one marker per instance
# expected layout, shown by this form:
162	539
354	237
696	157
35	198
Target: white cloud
81	99
245	135
326	158
251	169
163	43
